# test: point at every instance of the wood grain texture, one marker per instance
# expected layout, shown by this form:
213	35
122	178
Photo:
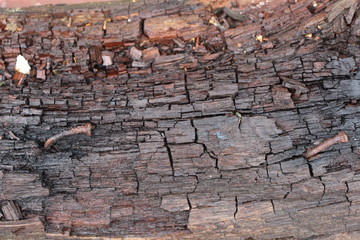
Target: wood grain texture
200	130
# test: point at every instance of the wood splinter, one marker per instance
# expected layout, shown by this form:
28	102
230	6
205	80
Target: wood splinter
341	137
85	129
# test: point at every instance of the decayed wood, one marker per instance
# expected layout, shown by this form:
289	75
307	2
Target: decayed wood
21	185
32	228
11	211
165	27
298	87
203	120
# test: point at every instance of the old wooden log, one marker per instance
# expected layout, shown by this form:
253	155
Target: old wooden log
202	118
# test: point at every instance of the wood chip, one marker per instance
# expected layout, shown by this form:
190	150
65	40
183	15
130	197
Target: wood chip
107	61
297	86
150	53
41	74
135	53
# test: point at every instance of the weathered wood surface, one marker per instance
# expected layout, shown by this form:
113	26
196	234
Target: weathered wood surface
200	130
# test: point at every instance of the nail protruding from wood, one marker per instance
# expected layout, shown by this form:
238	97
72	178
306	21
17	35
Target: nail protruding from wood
85	129
19	78
341	137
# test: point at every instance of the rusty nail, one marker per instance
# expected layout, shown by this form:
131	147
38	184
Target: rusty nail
19	77
341	137
85	129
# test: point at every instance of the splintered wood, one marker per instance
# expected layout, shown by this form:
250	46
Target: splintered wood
212	122
11	211
20	185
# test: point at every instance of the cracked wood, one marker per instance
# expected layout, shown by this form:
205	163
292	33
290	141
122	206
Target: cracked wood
168	156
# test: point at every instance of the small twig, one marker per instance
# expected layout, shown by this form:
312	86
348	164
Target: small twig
341	137
85	129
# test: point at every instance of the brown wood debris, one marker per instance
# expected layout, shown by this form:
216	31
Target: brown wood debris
40	74
135	53
149	54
